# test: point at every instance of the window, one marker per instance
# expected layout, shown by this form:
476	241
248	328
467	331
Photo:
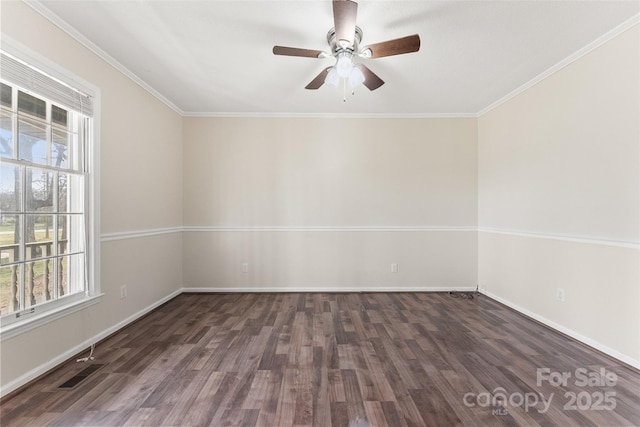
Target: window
47	249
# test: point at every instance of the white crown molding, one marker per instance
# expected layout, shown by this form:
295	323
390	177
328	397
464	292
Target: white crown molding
326	229
590	240
570	332
75	34
334	115
629	23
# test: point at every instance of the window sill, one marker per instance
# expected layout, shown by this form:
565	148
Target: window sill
37	320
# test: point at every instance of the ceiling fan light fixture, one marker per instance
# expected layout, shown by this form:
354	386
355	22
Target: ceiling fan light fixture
344	42
332	79
344	65
356	77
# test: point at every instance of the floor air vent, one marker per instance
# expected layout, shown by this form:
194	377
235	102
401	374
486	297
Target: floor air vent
80	376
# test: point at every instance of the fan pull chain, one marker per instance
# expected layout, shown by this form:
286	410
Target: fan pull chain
344	90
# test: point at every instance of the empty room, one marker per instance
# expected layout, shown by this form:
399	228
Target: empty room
319	213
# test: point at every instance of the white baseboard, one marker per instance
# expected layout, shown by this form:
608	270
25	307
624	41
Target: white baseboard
390	288
569	332
35	373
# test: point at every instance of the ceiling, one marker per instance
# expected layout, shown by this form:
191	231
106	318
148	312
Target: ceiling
214	57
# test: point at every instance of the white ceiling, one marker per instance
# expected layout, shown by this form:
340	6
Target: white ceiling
214	57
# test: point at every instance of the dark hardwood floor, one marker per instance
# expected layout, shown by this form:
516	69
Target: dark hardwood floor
352	359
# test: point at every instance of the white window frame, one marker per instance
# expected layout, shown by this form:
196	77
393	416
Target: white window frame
49	312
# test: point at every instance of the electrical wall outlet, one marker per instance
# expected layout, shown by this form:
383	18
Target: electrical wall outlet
394	267
245	267
123	291
560	294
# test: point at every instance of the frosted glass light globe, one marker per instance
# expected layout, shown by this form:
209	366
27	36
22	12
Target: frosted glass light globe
332	78
344	66
356	77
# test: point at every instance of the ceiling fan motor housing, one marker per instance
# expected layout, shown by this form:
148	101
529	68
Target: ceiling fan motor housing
336	49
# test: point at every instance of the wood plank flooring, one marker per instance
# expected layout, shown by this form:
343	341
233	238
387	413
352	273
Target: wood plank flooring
346	359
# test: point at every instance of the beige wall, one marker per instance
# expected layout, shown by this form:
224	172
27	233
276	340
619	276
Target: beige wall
342	174
330	260
329	172
562	159
141	188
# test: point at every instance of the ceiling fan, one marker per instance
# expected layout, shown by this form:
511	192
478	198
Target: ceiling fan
344	40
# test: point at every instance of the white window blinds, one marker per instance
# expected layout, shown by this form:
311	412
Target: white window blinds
23	75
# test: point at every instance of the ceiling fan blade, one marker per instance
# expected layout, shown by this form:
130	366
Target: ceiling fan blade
319	80
393	47
371	79
344	21
294	51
